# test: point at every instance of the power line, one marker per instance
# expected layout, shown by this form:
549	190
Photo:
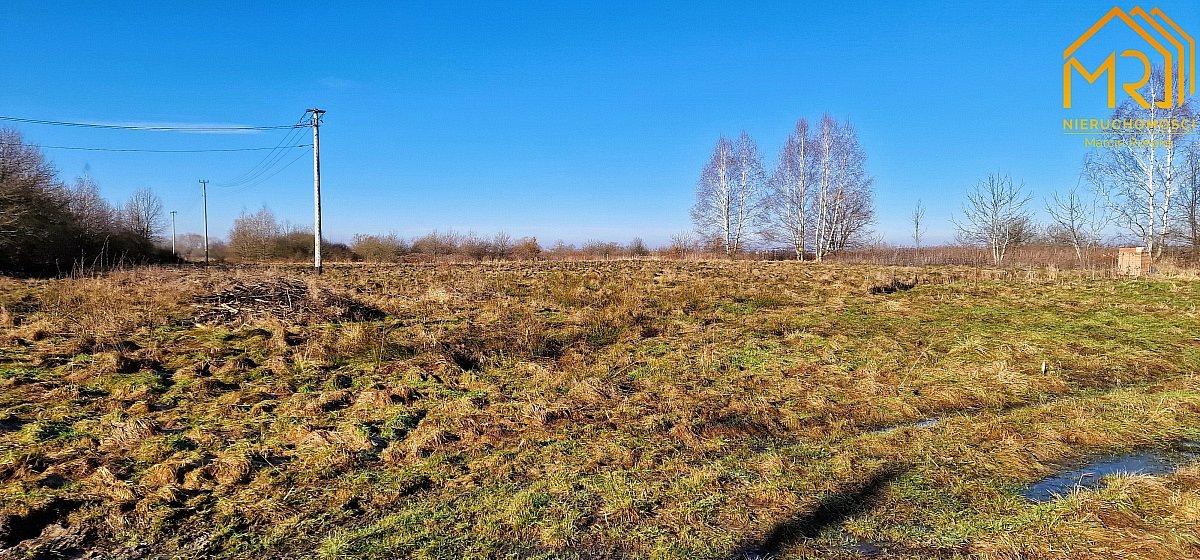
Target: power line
90	149
248	186
268	161
148	127
267	165
291	137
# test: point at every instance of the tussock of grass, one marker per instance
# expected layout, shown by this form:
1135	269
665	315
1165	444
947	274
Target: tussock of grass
582	410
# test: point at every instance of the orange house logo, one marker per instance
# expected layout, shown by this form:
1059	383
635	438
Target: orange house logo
1166	39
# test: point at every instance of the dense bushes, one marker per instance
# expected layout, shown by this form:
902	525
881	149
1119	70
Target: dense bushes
471	247
259	237
49	228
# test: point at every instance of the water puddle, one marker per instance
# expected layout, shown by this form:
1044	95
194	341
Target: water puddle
921	424
866	549
1145	462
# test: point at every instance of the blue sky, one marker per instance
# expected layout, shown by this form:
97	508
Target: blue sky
561	120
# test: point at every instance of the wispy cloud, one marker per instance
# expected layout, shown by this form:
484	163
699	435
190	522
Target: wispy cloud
186	127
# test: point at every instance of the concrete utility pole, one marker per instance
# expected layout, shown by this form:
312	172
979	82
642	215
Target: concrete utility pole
204	194
173	253
316	126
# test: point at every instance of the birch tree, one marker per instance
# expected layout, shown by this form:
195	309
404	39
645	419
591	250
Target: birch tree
789	190
1138	178
729	192
826	151
994	215
853	201
843	206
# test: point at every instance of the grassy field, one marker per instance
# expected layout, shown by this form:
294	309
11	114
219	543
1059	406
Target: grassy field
626	409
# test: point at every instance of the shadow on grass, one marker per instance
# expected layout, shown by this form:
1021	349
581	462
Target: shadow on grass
31	525
833	510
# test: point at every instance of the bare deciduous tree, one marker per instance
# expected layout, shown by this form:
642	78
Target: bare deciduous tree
820	192
1139	175
1076	222
789	190
501	246
918	223
37	230
843	207
473	246
728	196
388	247
92	210
253	235
437	244
190	246
1188	208
47	227
682	244
826	149
144	215
637	248
994	215
527	249
24	175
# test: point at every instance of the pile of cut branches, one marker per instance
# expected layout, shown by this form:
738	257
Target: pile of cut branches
287	300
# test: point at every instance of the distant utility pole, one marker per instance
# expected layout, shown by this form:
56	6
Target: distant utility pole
316	126
204	194
173	253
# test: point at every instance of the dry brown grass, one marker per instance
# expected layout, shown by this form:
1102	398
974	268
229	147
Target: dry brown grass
632	408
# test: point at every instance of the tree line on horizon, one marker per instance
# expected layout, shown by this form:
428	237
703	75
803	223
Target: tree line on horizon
260	237
816	202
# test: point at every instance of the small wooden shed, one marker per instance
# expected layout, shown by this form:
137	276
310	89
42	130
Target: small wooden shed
1133	261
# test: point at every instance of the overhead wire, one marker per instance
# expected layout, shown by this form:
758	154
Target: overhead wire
262	180
93	149
162	128
267	168
264	165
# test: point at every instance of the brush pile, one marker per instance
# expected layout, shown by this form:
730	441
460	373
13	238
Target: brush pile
895	286
287	300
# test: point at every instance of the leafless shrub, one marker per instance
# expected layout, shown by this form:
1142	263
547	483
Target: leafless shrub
995	216
1077	222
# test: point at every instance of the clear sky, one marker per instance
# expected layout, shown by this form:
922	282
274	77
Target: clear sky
562	120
